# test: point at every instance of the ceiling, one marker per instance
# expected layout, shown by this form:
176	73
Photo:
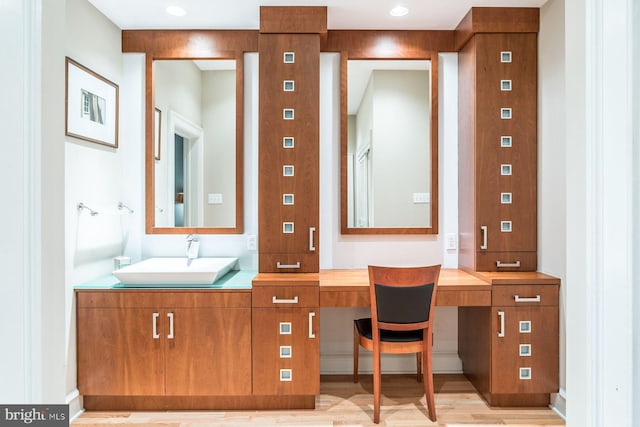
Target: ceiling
342	14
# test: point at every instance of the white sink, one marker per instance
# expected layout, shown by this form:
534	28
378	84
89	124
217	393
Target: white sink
175	271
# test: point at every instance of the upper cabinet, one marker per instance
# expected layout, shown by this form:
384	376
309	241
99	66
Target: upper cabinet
289	98
497	131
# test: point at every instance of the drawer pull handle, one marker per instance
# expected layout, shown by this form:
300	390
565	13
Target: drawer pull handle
154	317
311	316
296	265
501	264
276	300
171	335
312	246
501	331
484	229
518	298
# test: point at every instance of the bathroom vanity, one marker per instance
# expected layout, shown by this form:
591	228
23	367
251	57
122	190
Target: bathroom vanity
252	339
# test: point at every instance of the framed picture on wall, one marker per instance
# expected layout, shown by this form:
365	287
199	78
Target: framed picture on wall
91	105
157	123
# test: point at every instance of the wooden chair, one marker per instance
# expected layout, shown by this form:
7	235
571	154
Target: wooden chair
402	307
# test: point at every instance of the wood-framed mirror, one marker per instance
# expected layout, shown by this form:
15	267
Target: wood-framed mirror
194	166
389	144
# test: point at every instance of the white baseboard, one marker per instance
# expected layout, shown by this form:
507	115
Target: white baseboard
342	364
74	400
559	403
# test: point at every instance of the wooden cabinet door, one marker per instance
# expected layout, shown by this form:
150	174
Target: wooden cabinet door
525	359
505	177
286	352
118	353
209	352
289	201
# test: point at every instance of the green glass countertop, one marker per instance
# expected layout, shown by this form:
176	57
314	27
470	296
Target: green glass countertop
235	279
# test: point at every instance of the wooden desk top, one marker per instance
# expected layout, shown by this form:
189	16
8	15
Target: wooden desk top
350	280
350	288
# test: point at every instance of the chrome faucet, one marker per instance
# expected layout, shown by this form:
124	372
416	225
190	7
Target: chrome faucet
193	245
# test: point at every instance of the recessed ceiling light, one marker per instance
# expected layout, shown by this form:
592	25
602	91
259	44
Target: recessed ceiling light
176	11
399	11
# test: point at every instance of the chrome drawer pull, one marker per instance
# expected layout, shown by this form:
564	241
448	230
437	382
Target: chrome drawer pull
275	300
154	318
311	316
501	331
312	247
484	229
171	335
296	265
500	264
518	298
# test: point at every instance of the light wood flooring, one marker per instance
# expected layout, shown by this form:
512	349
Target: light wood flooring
342	403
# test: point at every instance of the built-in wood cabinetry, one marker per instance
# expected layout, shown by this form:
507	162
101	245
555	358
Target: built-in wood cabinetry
156	343
286	339
498	149
289	95
509	351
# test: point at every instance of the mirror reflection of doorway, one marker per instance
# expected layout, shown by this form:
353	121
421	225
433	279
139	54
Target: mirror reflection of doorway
178	190
185	171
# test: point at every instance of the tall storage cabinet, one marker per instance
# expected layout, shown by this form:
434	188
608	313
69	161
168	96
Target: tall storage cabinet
497	152
288	196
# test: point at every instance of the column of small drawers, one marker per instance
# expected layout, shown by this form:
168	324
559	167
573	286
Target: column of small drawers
506	141
288	152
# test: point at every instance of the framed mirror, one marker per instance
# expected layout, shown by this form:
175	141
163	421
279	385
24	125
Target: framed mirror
389	173
194	168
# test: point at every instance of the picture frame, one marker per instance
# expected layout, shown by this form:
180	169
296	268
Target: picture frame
157	130
91	105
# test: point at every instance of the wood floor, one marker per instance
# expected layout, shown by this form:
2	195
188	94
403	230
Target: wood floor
342	403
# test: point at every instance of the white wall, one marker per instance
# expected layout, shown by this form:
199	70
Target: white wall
602	238
400	146
551	162
32	360
219	124
92	172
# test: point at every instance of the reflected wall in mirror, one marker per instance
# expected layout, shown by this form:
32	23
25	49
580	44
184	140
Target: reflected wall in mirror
195	177
389	169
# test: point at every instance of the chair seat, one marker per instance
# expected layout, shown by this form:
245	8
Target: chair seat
364	329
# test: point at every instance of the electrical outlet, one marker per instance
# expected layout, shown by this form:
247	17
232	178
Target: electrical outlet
452	241
252	243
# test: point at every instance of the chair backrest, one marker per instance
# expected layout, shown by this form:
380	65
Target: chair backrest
402	297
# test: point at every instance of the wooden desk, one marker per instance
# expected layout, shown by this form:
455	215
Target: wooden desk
350	288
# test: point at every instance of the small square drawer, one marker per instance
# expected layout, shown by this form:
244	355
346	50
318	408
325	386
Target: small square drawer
285	296
524	295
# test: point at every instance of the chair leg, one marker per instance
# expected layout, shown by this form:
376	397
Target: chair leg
419	366
428	379
376	385
356	348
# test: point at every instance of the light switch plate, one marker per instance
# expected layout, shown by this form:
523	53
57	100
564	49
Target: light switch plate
214	198
252	243
421	197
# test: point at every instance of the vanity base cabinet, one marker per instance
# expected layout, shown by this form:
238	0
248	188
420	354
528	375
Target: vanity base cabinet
155	343
510	351
286	340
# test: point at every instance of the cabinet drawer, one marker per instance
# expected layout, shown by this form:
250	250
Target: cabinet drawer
506	261
285	296
524	295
